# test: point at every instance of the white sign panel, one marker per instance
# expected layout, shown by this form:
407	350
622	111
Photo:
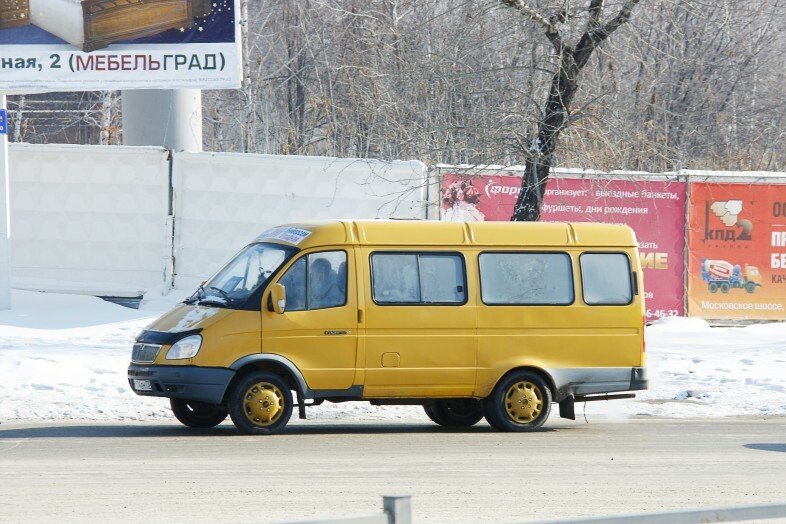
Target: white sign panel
79	45
292	235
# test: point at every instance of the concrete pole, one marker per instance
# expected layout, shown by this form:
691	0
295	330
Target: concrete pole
170	118
5	221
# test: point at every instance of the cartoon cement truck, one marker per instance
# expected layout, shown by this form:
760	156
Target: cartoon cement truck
723	275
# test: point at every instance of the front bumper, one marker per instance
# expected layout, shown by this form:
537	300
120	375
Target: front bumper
186	382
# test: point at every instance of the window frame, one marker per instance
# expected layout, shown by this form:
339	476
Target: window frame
632	285
457	254
572	279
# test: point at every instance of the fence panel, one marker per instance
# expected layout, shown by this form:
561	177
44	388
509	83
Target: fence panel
88	219
223	200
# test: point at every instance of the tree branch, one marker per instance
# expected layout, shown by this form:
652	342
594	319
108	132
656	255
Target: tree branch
595	12
622	17
549	24
596	33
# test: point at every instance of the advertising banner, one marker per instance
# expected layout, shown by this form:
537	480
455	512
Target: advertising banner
73	45
654	209
737	261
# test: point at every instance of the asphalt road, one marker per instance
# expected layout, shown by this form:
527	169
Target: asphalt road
168	473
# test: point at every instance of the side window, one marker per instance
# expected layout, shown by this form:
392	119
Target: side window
327	279
606	279
294	281
316	281
526	279
418	278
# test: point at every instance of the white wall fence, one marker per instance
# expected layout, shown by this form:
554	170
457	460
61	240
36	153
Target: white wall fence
117	221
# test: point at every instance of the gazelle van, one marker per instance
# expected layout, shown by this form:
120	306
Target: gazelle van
495	320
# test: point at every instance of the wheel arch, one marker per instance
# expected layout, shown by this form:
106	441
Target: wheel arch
274	364
542	373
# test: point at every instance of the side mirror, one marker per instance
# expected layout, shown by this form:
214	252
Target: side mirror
278	298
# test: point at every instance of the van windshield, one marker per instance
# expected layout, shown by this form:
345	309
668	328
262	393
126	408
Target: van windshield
241	276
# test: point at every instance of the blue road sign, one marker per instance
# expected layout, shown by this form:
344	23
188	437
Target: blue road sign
3	122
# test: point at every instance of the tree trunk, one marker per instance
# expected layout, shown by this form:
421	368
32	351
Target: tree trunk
564	84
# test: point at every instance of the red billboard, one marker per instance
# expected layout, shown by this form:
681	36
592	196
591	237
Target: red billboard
737	261
654	209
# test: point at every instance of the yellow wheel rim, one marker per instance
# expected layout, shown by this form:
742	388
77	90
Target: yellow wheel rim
524	402
263	404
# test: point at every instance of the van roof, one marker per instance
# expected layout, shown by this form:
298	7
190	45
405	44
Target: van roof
433	233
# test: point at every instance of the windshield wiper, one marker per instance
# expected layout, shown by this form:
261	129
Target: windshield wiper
223	301
214	301
223	293
197	296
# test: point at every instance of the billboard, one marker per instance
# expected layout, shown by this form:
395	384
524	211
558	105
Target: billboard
73	45
737	251
654	209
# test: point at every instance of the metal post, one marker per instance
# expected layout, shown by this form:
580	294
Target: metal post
398	508
170	118
5	219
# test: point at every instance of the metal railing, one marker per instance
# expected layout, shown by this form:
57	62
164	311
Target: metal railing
731	514
398	510
395	510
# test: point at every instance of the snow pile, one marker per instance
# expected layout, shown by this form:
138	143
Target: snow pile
64	357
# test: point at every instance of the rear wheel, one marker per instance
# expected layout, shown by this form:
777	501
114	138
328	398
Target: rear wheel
196	414
713	287
520	402
455	412
260	403
724	287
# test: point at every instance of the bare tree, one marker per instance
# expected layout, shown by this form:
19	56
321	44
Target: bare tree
693	84
571	59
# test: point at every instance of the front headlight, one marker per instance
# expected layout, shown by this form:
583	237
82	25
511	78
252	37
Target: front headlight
185	348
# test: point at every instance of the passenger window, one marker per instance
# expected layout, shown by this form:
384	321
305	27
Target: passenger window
418	278
327	279
294	281
606	279
316	281
526	279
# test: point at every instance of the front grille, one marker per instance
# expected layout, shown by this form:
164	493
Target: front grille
145	352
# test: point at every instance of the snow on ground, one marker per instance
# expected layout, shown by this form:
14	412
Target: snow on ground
64	358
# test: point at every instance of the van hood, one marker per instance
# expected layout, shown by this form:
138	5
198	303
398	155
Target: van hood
185	317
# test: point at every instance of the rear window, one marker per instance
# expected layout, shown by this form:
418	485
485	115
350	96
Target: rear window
606	279
526	279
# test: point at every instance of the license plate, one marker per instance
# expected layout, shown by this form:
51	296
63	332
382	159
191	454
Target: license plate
143	385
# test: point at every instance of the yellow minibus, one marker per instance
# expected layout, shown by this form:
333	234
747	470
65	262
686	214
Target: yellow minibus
470	320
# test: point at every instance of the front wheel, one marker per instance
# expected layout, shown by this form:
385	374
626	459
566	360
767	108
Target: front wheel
260	403
750	287
196	414
455	412
520	402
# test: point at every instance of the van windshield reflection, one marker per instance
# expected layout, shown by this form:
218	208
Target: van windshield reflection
241	276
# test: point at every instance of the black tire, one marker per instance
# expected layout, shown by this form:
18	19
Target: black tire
750	287
521	401
196	414
455	412
713	287
724	287
260	403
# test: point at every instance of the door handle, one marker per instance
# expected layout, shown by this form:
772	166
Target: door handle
336	332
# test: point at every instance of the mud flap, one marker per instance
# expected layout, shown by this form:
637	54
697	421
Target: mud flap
567	408
301	406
